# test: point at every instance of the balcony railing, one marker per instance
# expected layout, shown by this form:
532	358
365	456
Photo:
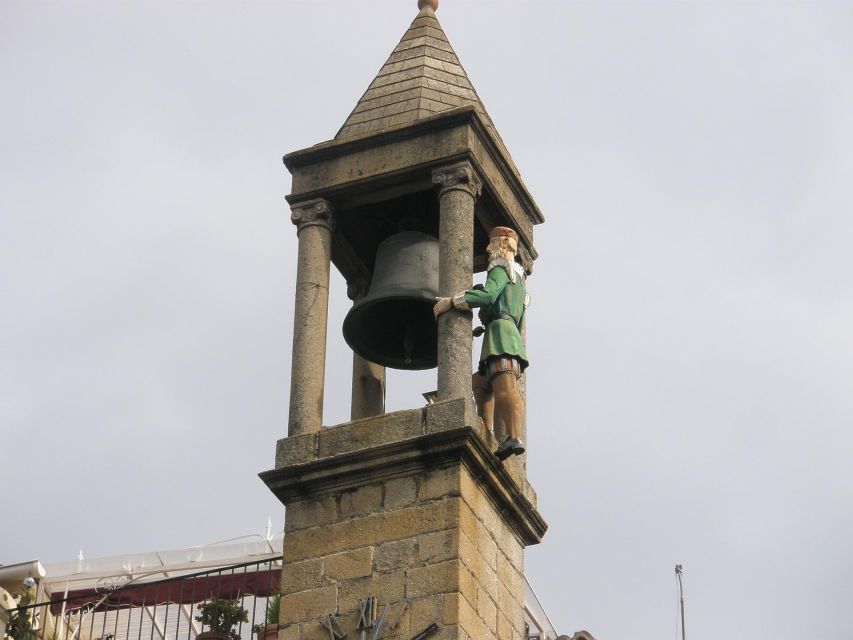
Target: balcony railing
140	607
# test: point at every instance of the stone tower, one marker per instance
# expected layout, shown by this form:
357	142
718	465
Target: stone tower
402	525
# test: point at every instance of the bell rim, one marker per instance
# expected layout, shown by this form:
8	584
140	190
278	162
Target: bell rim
359	346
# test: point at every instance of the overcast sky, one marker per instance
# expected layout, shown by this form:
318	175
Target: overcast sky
691	387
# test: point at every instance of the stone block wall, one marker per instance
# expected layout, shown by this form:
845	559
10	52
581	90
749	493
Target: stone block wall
430	543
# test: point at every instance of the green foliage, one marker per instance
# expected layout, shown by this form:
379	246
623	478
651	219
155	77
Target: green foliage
273	610
219	614
20	625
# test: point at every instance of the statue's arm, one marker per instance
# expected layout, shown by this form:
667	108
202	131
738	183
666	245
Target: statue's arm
473	298
495	283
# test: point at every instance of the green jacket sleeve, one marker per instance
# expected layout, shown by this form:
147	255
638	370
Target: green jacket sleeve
495	283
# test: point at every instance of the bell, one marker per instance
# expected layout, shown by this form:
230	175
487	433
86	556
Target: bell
393	324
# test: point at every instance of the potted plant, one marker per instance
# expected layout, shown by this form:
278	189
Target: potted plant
269	631
20	625
220	616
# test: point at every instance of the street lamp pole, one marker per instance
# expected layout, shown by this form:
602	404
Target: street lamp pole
678	573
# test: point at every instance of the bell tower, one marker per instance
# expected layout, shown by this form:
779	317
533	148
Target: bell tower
404	524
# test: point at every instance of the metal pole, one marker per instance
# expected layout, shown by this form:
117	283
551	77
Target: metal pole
678	573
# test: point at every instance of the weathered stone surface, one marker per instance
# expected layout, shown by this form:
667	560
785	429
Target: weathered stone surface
474	563
470	554
350	564
400	492
302	576
395	556
515	468
438	546
468	522
439	483
487	609
422	612
370	432
308	605
530	494
463	613
310	513
508	574
295	450
451	414
487	547
377	160
388	588
371	530
468	585
505	629
290	632
361	501
510	605
515	554
442	577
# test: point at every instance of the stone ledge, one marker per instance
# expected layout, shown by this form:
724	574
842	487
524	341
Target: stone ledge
377	430
383	461
363	434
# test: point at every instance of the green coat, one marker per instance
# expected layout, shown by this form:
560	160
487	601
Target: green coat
501	303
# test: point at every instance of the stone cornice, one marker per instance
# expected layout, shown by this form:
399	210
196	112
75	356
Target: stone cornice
462	115
395	459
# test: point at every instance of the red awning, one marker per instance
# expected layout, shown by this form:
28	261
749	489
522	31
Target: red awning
184	590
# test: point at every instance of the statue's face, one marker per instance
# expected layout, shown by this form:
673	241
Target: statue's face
501	247
494	248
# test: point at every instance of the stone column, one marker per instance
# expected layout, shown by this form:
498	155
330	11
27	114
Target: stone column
368	388
368	378
459	186
313	220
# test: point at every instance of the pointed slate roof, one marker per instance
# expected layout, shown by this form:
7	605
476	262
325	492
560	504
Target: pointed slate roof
421	77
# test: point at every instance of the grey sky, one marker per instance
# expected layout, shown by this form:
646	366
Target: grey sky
690	393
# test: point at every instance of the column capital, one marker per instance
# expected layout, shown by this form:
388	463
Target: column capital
318	212
461	176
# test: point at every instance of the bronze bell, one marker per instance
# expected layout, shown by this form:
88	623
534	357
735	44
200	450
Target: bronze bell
393	324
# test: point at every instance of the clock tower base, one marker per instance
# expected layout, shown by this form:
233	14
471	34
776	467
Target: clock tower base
402	524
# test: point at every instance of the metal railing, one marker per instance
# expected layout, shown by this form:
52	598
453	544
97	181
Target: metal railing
140	607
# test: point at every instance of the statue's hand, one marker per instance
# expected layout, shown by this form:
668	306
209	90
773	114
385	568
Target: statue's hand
441	306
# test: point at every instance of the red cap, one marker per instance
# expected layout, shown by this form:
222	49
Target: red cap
498	232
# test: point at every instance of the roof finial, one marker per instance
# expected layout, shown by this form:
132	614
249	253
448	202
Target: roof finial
432	4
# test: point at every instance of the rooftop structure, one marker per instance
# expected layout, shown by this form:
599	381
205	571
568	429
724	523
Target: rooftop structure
156	594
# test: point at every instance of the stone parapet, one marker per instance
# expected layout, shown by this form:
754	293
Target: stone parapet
362	436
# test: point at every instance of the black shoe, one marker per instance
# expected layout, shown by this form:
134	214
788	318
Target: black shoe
510	447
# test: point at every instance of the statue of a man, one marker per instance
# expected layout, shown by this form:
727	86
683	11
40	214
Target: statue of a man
501	301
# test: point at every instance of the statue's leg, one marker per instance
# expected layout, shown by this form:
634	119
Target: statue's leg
485	400
509	408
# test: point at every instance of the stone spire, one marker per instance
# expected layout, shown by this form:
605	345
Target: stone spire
422	77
